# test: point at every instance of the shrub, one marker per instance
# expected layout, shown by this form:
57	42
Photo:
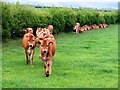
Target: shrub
15	17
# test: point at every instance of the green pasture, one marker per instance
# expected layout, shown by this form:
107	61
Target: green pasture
87	60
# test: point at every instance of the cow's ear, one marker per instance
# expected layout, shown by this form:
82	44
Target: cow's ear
25	31
50	43
36	39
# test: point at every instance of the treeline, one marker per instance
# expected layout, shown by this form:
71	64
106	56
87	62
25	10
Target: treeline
15	17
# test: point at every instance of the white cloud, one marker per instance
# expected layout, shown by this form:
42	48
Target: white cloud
99	0
71	3
50	1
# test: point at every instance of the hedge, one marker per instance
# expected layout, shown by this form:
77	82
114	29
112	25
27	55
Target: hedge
15	17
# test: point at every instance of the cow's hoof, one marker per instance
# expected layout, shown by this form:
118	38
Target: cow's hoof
26	62
47	75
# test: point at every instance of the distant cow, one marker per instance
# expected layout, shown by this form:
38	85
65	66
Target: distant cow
105	25
85	27
50	28
89	27
100	26
77	28
28	43
94	26
81	30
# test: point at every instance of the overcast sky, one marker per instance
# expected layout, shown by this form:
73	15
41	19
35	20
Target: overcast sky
62	0
74	3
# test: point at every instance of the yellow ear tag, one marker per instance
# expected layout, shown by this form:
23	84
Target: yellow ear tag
50	43
37	39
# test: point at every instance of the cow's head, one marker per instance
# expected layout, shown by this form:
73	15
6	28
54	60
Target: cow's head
28	30
31	40
45	44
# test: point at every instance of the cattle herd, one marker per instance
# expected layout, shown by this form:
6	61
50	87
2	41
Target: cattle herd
47	43
47	46
77	29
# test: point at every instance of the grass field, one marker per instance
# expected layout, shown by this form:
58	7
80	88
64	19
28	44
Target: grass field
87	60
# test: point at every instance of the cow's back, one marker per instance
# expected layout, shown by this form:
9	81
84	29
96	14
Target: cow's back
52	48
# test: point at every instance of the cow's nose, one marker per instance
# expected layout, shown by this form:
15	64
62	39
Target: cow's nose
44	51
31	45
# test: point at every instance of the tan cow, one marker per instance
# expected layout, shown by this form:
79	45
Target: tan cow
94	26
28	43
81	30
47	48
89	27
100	25
105	25
85	27
28	30
77	28
50	28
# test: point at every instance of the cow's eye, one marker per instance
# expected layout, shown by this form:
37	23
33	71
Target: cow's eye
39	42
33	40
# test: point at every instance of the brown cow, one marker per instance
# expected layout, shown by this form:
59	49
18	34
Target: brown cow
105	25
94	26
100	25
77	28
43	33
50	28
89	27
47	48
28	43
85	27
81	30
28	30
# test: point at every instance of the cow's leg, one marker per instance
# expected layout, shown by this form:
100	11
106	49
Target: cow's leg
31	58
29	54
76	31
26	56
50	65
45	66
